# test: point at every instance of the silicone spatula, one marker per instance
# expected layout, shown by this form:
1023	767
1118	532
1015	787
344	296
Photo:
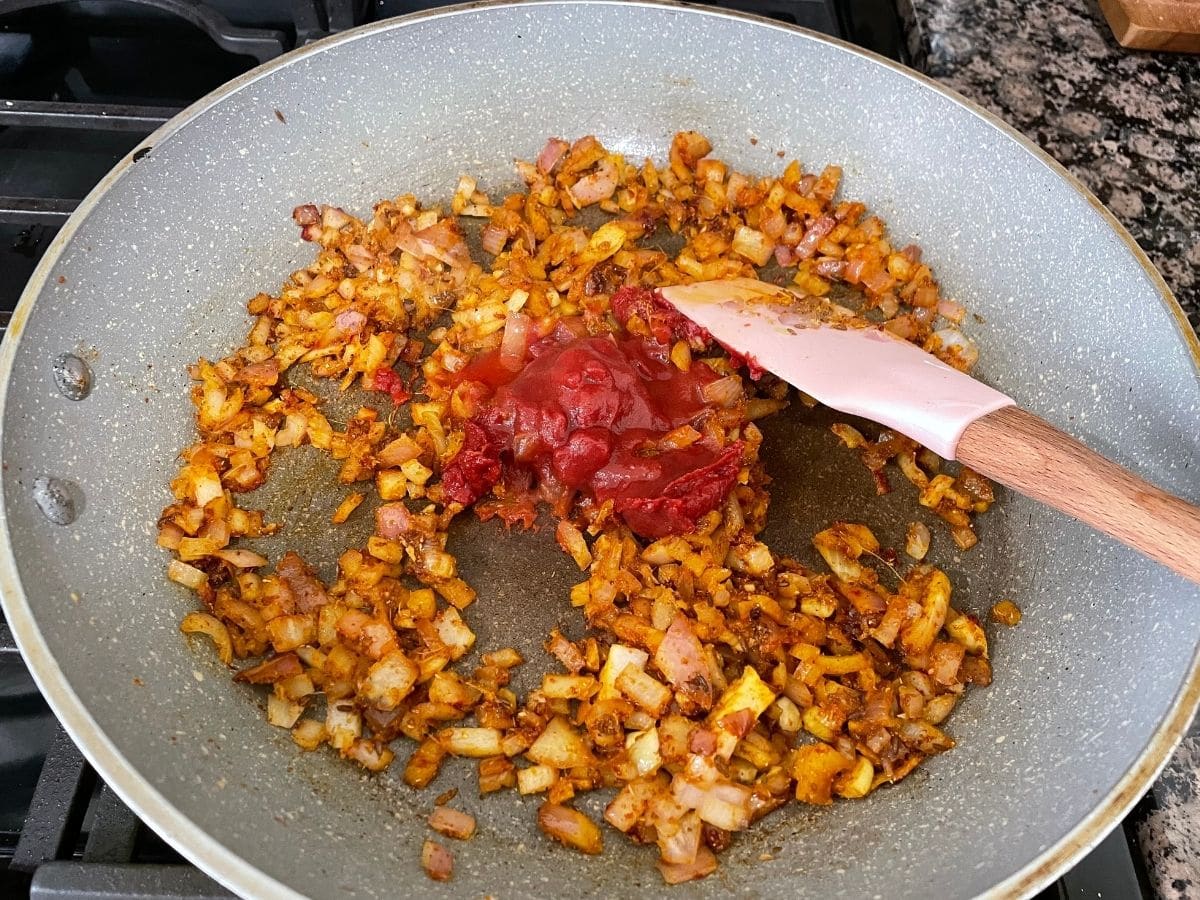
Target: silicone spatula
861	369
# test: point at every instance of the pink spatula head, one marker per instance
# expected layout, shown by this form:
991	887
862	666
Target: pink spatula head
819	348
857	368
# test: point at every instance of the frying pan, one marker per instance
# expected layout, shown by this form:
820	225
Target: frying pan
1092	690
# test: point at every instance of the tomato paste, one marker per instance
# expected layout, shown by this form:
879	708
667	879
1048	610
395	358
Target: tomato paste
588	413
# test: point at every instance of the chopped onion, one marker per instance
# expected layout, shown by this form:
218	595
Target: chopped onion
551	154
956	345
916	540
518	334
878	281
681	847
437	861
704	865
214	629
597	185
816	233
830	268
724	392
680	656
493	238
570	827
785	255
306	214
754	245
283	713
393	520
241	557
628	806
188	576
453	823
443	241
332	217
360	257
952	310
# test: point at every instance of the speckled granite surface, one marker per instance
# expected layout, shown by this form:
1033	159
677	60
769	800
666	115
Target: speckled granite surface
1127	124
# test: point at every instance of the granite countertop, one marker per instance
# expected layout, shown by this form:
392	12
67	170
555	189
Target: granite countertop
1127	124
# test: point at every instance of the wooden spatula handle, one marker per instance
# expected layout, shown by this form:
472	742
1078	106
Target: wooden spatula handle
1021	451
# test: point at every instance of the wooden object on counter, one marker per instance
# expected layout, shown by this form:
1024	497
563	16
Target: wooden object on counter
1155	24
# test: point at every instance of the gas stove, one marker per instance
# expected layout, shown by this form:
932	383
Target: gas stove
80	85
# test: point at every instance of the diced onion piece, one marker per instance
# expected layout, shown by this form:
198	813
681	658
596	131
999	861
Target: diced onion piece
642	748
518	335
723	814
214	628
504	658
966	630
754	245
704	865
291	631
283	713
814	766
453	632
188	576
371	755
917	634
241	557
916	540
952	310
682	847
350	321
955	347
630	803
425	763
945	658
551	154
309	734
437	861
571	540
343	723
453	823
346	507
748	693
472	742
619	656
571	687
858	781
681	659
493	238
788	715
389	680
939	708
597	185
570	827
1006	613
398	452
560	745
645	690
849	435
536	779
724	392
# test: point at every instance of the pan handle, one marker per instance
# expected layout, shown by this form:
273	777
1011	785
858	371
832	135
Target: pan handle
1029	455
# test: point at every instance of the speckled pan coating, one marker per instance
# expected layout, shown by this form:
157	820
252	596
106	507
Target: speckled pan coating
1092	689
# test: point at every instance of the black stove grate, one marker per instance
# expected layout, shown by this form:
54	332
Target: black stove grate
106	72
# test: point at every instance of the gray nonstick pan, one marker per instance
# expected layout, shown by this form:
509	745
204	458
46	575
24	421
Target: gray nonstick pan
1092	690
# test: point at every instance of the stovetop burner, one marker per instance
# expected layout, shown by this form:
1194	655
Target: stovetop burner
108	73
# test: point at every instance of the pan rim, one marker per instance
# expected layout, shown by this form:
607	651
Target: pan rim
226	865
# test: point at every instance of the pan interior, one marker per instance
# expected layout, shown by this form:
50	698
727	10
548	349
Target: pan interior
158	272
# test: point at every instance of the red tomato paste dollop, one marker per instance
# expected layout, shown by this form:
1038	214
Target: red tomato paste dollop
585	414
